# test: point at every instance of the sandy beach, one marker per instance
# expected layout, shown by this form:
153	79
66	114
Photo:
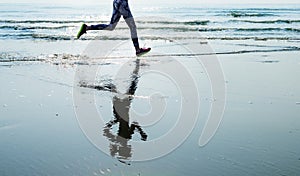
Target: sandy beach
258	133
61	100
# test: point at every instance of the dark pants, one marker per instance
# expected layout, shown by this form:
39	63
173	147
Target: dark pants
121	8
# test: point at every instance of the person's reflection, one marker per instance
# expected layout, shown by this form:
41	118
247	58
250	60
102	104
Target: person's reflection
119	146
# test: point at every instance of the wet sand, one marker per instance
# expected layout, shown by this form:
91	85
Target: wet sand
258	134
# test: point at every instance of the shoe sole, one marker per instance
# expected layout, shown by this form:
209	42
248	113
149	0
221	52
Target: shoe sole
143	53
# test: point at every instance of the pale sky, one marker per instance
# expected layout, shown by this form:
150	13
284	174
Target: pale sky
159	1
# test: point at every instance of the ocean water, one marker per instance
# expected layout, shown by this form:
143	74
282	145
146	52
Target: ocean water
57	22
258	46
242	28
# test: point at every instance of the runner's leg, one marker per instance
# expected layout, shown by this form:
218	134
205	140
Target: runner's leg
114	19
128	17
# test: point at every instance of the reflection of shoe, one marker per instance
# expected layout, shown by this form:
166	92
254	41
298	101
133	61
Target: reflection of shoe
108	125
81	31
142	51
144	136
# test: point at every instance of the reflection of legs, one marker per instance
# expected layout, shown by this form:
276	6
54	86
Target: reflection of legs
134	79
134	126
112	122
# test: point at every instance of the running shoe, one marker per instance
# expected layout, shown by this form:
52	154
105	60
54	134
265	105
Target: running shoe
142	51
81	31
